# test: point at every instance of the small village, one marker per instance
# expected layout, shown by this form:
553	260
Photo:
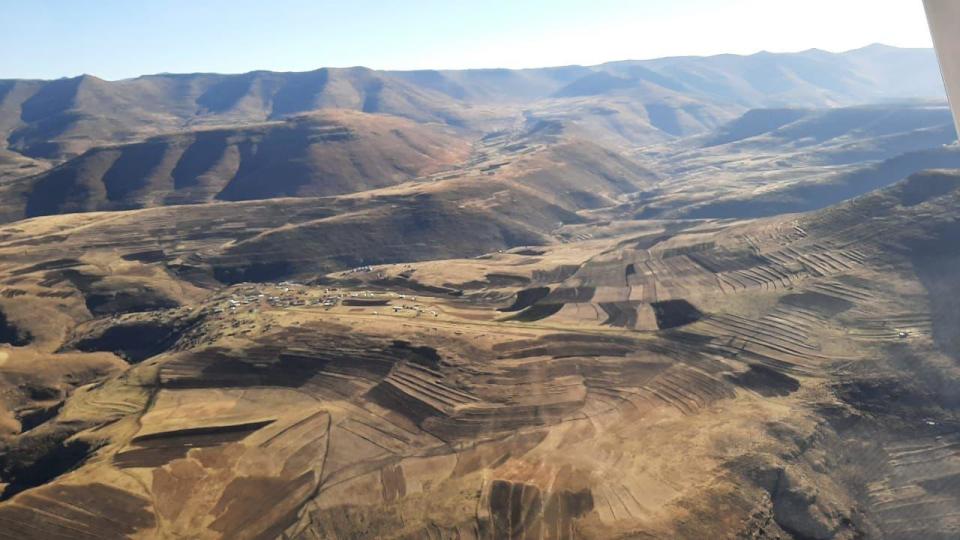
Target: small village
254	298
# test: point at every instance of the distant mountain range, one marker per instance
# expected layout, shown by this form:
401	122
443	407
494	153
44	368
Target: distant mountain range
655	99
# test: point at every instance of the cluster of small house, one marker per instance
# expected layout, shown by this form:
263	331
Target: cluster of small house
281	295
416	308
284	295
359	269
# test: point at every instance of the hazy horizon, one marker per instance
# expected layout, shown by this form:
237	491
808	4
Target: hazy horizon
487	68
113	40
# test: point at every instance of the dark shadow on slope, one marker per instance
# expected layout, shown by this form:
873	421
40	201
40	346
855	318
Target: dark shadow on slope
39	459
11	335
135	342
766	381
527	298
675	313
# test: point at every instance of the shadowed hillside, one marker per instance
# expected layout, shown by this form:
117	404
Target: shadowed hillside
838	136
324	154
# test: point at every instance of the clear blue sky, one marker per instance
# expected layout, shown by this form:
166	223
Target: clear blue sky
116	39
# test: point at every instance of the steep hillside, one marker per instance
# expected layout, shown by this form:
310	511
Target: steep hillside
14	166
578	175
510	194
328	153
824	191
514	198
331	153
626	122
837	136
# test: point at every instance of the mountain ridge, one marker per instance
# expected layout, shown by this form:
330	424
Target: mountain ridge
61	118
877	46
